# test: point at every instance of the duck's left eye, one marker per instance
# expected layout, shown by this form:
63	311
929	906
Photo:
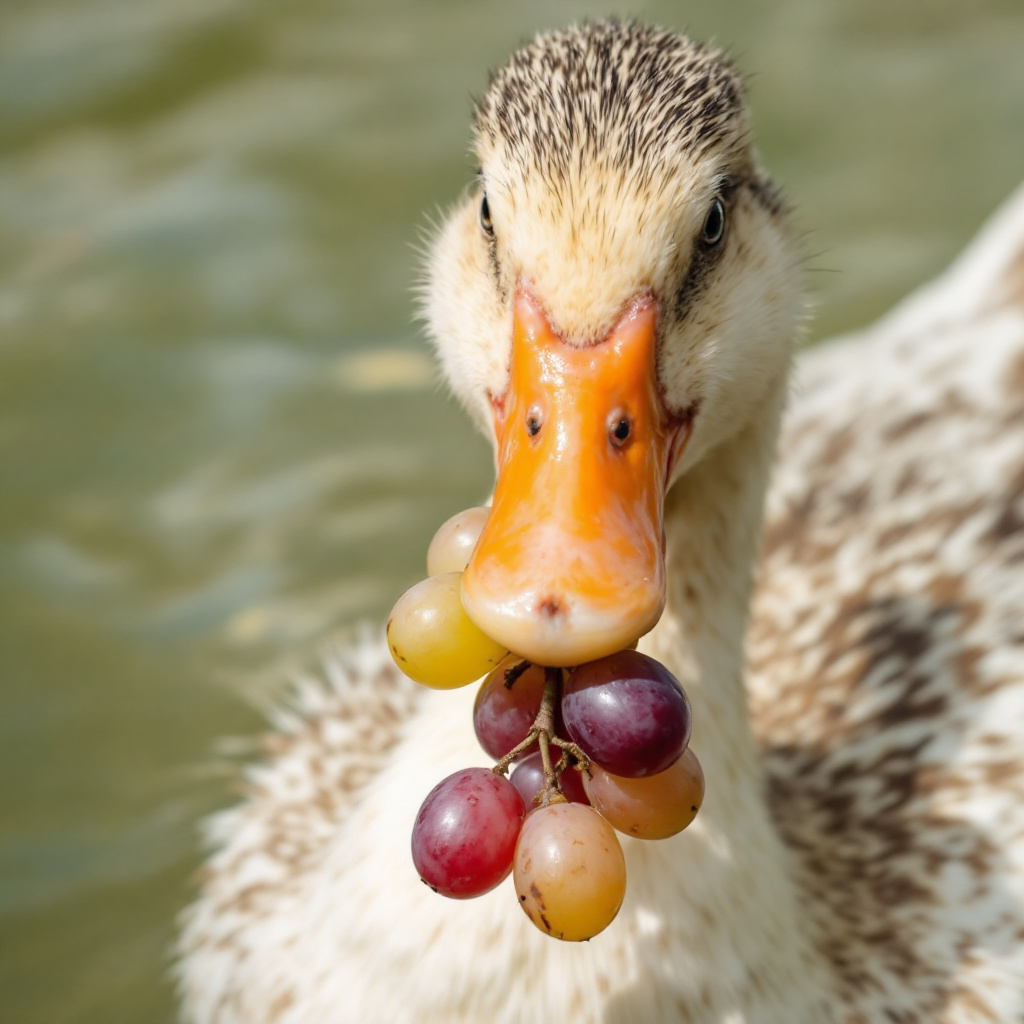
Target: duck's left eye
714	224
486	225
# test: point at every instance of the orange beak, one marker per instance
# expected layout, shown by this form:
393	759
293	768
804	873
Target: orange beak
570	565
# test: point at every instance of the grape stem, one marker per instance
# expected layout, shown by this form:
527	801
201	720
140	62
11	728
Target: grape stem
581	759
513	673
543	732
502	766
545	724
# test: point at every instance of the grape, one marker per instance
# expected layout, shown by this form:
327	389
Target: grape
569	873
653	807
465	834
502	715
454	541
528	778
432	638
628	713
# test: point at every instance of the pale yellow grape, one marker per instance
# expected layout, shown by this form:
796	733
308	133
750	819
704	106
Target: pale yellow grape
569	871
433	640
454	541
652	807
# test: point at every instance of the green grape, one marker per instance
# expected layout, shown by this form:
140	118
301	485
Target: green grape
434	641
454	541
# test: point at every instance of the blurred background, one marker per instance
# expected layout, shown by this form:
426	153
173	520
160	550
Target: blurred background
222	440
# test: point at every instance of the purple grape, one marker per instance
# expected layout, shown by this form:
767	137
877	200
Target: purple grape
528	778
502	715
465	834
628	713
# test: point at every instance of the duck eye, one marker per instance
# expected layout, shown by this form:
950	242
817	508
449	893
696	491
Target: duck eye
534	419
714	224
619	429
486	225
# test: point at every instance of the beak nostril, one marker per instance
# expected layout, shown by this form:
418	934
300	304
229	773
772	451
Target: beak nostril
534	419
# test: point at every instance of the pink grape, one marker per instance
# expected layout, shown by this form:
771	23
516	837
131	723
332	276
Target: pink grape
528	778
628	713
570	874
465	834
652	807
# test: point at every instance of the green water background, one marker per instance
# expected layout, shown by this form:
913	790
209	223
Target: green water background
222	442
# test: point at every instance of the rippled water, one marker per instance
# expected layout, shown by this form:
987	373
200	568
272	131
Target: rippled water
221	438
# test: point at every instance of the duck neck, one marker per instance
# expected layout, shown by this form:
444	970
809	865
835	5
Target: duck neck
713	520
737	901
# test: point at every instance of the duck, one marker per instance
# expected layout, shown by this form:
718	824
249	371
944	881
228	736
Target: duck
850	637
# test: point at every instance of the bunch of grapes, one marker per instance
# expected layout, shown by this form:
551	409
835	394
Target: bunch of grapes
593	749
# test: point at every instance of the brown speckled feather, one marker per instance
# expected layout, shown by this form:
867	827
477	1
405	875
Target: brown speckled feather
887	650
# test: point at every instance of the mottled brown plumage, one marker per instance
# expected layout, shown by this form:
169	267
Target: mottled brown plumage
887	649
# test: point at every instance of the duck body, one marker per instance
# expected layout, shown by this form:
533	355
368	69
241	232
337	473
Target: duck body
886	648
860	853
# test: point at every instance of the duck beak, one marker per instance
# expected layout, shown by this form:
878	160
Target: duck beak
570	565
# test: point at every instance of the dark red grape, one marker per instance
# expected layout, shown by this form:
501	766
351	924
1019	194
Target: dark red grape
502	715
465	834
628	713
528	778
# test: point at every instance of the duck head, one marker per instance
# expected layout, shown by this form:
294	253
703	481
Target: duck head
612	300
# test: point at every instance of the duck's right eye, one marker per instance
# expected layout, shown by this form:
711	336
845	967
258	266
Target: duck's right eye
714	225
486	225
